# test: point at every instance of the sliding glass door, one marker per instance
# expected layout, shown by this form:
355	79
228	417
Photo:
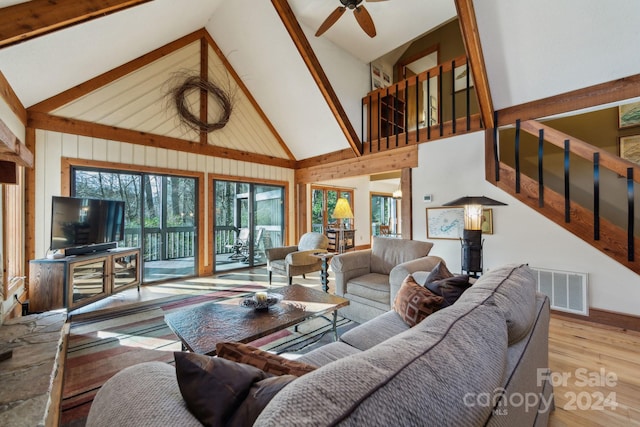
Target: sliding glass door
249	218
168	205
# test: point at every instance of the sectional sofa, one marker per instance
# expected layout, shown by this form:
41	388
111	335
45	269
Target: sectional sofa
481	361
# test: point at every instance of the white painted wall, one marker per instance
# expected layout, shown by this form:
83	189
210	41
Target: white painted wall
536	49
454	167
52	146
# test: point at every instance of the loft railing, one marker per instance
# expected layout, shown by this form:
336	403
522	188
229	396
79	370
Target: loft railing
433	104
614	236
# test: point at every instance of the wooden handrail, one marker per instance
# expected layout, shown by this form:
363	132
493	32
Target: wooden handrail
582	149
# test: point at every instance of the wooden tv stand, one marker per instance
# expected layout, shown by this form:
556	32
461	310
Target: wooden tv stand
74	281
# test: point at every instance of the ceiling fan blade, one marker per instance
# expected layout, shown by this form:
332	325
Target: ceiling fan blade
331	19
365	21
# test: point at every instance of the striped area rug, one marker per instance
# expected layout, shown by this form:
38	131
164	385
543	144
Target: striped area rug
100	347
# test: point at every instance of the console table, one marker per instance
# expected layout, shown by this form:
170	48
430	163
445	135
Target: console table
74	281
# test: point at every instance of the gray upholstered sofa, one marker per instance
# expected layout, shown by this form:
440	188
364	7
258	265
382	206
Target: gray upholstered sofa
365	277
481	361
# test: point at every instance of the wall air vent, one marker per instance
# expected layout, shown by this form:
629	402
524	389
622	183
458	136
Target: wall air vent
567	290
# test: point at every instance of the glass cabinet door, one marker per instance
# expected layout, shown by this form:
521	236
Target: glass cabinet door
88	279
125	270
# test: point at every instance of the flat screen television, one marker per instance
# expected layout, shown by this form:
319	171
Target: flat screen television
89	225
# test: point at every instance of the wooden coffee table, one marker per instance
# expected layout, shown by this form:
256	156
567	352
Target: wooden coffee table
201	328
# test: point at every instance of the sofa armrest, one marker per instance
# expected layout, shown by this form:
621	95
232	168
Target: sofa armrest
279	252
349	265
142	394
401	271
304	257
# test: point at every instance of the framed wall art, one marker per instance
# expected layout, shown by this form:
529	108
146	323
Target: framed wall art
629	115
629	147
445	223
487	221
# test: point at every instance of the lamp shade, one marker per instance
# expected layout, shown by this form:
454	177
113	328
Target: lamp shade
473	209
342	209
474	200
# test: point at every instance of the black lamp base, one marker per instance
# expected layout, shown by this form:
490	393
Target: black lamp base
472	252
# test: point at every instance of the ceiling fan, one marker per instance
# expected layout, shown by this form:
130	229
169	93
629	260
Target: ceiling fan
361	14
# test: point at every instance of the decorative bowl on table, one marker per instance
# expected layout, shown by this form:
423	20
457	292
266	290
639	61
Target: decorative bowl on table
261	300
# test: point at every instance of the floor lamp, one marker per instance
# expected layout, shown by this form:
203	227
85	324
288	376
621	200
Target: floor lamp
341	212
472	235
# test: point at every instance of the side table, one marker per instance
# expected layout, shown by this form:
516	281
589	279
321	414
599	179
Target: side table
324	273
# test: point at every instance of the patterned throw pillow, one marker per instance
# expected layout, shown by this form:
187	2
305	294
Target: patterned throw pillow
268	362
414	303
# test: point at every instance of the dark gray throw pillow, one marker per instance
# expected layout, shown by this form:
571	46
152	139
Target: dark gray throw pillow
213	387
259	395
439	272
450	288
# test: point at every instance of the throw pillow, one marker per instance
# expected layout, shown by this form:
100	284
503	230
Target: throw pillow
414	303
439	272
259	395
450	288
268	362
212	387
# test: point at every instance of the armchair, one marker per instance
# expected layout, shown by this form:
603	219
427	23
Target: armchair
371	278
297	260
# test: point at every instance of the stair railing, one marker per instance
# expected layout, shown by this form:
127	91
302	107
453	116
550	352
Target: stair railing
535	187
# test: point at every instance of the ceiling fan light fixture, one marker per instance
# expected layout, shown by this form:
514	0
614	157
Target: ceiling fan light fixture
361	14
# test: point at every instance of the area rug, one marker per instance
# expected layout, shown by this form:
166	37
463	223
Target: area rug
100	347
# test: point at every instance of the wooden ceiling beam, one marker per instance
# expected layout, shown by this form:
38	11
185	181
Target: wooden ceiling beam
471	38
34	18
46	121
398	158
318	74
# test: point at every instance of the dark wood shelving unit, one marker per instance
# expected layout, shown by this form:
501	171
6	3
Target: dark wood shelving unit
333	234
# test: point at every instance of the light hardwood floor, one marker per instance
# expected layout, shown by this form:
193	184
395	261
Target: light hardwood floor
596	361
595	372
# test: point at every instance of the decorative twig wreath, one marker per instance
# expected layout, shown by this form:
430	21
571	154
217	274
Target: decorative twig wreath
197	83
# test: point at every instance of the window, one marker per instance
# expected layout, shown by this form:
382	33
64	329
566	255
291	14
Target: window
323	201
384	214
168	204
